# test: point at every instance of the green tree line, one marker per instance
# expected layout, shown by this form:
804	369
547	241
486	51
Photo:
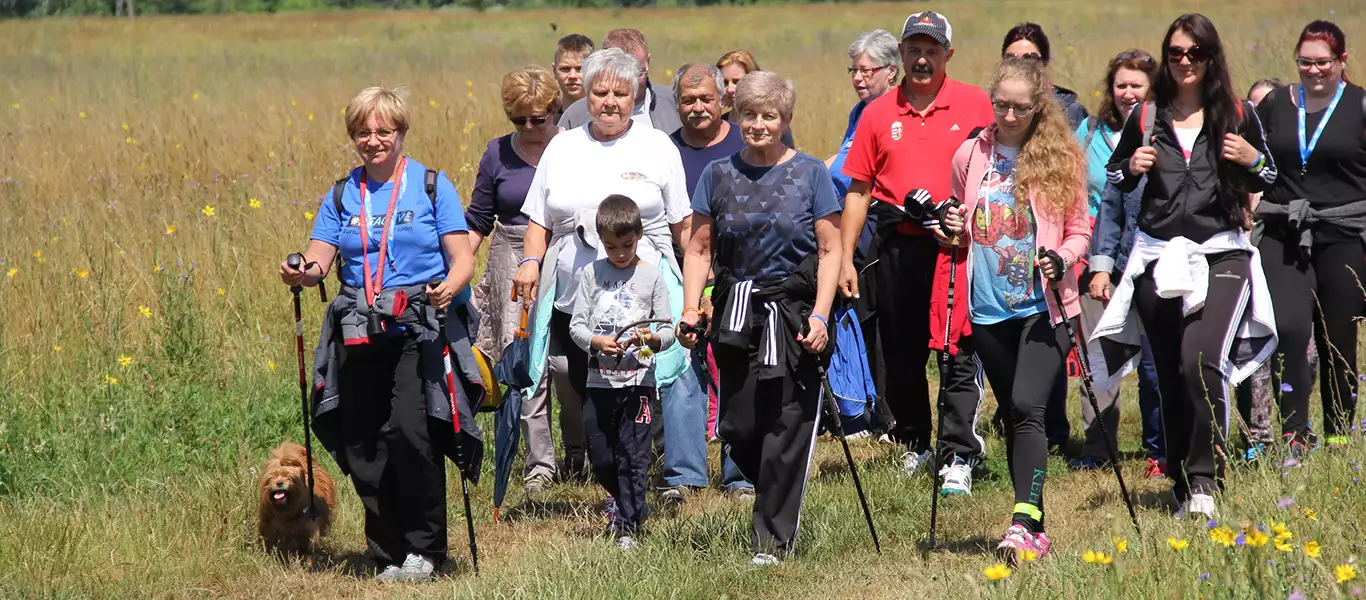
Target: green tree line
19	9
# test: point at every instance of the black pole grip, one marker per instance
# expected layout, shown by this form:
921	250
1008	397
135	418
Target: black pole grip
1058	264
944	211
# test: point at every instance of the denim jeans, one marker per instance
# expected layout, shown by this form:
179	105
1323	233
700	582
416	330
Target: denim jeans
685	425
1150	405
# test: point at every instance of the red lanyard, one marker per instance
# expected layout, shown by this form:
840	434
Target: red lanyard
373	287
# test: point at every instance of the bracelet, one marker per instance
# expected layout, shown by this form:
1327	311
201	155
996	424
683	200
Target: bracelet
693	309
822	320
1257	166
529	259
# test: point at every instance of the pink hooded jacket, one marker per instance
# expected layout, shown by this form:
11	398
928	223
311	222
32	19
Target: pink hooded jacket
1069	235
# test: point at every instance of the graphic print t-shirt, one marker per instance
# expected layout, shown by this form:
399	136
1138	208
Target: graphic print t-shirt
1005	283
609	298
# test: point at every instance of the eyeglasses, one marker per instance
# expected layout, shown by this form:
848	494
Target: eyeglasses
1028	55
1321	63
534	121
866	73
1196	54
1021	111
383	134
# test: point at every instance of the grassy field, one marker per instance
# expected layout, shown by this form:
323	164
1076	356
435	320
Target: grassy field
152	174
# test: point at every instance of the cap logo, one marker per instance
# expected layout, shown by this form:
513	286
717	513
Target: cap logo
924	19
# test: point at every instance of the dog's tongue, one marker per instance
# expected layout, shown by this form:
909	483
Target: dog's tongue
278	495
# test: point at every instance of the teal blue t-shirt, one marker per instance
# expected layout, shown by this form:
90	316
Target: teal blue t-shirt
1005	282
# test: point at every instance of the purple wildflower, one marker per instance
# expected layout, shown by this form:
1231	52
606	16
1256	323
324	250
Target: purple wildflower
1211	524
1204	576
1291	462
1287	388
1285	503
1241	540
1297	595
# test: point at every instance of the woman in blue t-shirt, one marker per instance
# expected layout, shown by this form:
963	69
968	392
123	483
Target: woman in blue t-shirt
382	433
771	215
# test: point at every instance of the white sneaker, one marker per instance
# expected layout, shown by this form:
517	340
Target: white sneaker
764	560
862	435
626	544
957	478
389	574
886	438
914	462
417	568
1199	504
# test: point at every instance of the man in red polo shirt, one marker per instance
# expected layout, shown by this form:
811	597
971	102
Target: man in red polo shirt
906	141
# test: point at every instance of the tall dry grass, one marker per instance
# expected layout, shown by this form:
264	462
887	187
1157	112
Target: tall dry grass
152	174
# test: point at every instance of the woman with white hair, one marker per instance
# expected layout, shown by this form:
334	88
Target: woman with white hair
579	168
771	214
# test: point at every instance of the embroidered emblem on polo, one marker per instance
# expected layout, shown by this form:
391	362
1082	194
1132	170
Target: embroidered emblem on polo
896	131
954	128
632	176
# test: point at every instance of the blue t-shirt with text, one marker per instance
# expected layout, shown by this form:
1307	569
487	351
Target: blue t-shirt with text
1005	282
765	217
414	254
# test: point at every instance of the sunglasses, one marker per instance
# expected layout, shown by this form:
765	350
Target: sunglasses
1136	55
523	121
1028	55
1196	54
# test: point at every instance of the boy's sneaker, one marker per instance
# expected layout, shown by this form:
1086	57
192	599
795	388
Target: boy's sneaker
626	544
1199	504
1016	542
416	568
1254	452
957	478
389	574
764	560
536	484
914	462
674	494
610	509
1155	469
741	494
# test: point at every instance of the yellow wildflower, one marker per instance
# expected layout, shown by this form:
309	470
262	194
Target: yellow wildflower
56	347
1280	530
270	364
12	272
16	106
254	203
469	82
124	361
207	210
1257	539
128	140
82	273
170	229
996	571
82	114
111	380
310	116
1344	572
1029	556
146	312
1312	549
1223	535
195	96
308	215
37	254
221	292
125	127
1097	558
1121	545
1284	545
1310	514
431	102
1178	545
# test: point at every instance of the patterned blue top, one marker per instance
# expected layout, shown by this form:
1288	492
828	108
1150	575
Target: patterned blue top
1005	283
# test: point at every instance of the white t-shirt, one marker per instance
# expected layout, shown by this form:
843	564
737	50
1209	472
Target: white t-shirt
1186	137
577	173
641	115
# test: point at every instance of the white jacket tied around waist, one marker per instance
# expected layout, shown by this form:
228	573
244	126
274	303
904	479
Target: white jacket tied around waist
1181	270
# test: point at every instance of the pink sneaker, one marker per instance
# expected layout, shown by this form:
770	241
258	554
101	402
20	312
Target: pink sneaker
1018	541
1041	545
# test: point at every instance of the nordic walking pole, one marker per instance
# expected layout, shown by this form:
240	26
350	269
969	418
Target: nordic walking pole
455	420
943	379
296	261
838	430
1084	363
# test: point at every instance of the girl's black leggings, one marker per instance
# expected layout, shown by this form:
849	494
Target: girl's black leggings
1318	296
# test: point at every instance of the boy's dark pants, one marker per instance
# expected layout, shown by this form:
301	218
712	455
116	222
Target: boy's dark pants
617	423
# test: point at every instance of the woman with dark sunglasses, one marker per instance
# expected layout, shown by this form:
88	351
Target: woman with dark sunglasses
1313	220
1193	278
1028	40
531	100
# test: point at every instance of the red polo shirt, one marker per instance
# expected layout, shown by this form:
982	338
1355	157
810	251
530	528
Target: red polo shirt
897	148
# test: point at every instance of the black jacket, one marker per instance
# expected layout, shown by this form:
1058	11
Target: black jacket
1181	199
779	311
1075	111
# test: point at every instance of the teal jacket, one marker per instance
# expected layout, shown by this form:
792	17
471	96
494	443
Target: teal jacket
1097	154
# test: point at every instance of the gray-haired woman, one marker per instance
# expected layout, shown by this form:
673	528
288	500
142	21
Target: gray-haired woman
580	167
772	218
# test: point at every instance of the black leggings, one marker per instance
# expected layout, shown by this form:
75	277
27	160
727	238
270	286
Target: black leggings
1188	350
1315	296
1023	360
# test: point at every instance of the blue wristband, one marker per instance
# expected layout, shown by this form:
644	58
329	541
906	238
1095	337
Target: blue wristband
822	320
529	259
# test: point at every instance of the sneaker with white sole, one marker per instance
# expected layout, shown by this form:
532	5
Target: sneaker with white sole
914	462
674	494
1199	504
626	544
537	483
416	568
741	494
764	560
1017	541
862	435
957	478
389	574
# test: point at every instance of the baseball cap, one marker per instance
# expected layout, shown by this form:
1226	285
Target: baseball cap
929	23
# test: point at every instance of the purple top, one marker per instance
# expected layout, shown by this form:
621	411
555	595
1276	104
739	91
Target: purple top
500	187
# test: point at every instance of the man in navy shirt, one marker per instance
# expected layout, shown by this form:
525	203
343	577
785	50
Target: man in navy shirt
704	136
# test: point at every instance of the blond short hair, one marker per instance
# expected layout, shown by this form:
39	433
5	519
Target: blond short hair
762	90
388	104
630	40
738	57
530	88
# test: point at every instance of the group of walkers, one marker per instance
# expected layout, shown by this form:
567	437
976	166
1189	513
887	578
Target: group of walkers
678	263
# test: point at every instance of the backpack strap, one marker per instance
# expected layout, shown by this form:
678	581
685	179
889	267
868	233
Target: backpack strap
430	183
1147	117
338	189
1092	126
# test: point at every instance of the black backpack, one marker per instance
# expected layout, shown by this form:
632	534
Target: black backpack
339	188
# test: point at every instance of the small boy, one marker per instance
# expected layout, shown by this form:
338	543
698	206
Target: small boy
615	292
